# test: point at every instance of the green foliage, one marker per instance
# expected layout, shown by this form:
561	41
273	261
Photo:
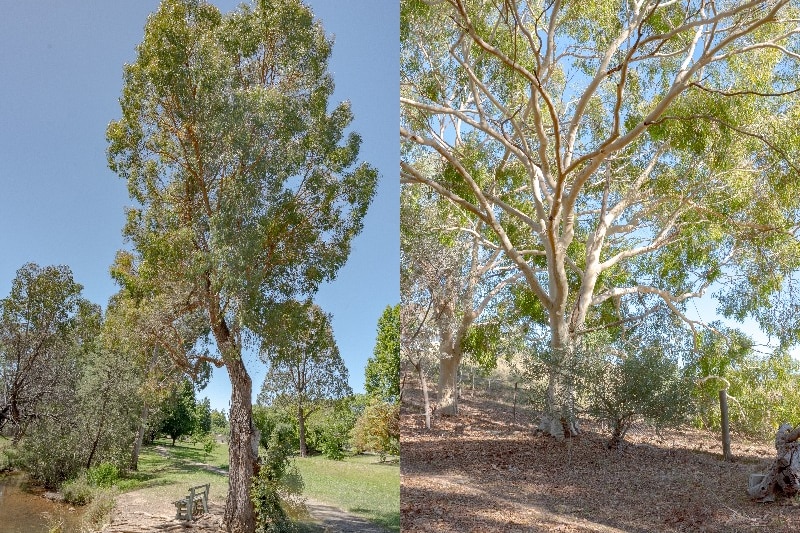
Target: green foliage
378	429
762	389
481	345
277	485
103	475
219	423
78	491
329	429
644	382
382	373
180	412
202	417
267	418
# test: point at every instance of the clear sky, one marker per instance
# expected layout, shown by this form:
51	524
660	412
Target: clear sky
60	78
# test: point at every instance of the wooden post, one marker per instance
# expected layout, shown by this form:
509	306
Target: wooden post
515	402
726	435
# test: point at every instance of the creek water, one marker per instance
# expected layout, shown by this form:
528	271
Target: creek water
23	512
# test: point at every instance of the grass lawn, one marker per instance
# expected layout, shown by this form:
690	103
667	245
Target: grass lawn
168	477
360	485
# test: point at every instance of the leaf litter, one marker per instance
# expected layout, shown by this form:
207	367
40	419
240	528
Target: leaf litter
482	471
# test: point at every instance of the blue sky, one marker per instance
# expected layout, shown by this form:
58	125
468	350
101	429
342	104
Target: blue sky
60	78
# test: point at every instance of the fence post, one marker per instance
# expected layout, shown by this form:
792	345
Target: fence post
726	434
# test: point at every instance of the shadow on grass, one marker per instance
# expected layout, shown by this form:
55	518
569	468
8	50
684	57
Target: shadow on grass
389	520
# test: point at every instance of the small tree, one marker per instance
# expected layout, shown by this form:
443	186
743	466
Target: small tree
304	363
378	429
180	412
382	374
640	382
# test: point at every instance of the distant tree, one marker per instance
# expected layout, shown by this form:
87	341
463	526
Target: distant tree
304	363
248	190
219	422
180	412
202	415
382	374
378	429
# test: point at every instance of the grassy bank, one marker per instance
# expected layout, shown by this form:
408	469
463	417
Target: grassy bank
359	485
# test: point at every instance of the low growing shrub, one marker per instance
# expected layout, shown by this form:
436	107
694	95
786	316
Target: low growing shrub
103	475
77	491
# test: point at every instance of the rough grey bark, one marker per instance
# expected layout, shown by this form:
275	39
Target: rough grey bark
239	513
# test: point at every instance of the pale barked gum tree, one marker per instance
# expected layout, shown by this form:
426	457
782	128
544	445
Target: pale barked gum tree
450	269
624	155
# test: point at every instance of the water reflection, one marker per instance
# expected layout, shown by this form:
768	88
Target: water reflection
22	512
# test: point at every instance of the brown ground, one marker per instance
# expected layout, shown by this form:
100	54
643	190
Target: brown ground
480	472
135	512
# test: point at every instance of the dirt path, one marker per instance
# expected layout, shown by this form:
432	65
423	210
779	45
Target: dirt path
139	512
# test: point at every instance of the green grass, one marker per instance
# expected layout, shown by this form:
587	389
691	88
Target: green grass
360	485
193	453
168	477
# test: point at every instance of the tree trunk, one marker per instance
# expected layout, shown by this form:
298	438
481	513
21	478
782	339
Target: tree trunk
239	512
448	378
783	476
301	429
425	397
726	434
137	444
558	419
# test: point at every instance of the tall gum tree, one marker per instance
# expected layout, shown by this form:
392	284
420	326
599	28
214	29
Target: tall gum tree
626	155
248	191
450	268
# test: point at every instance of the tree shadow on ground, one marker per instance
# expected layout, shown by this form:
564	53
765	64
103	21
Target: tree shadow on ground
455	477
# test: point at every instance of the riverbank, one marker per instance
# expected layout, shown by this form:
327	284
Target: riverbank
26	510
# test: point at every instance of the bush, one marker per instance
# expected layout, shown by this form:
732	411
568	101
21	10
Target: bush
277	485
378	429
77	491
644	383
103	475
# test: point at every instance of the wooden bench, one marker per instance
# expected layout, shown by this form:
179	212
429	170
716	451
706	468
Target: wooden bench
195	503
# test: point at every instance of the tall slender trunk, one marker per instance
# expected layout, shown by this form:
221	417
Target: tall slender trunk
239	512
301	425
137	444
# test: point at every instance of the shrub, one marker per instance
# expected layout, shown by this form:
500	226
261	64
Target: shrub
77	491
103	475
277	485
643	383
378	429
